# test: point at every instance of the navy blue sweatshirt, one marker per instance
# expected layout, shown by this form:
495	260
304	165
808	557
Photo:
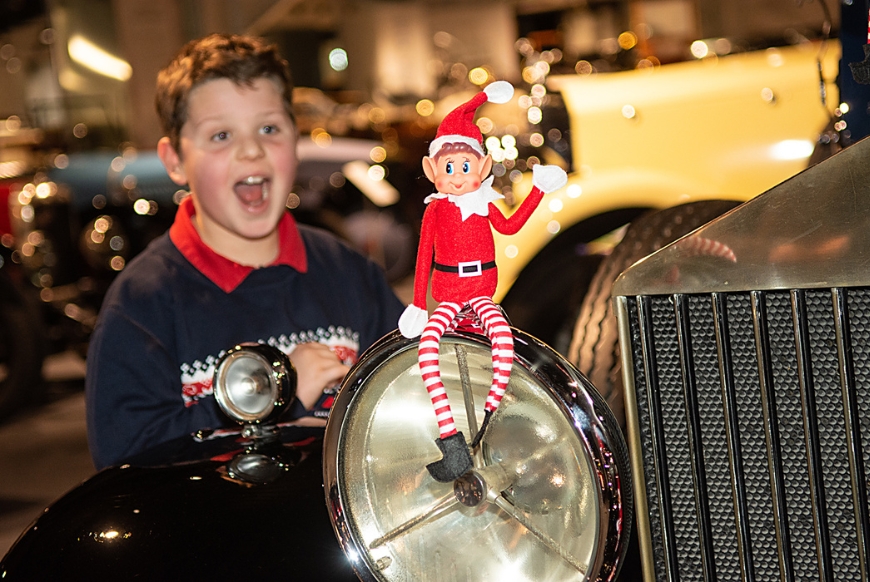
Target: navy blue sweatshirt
166	320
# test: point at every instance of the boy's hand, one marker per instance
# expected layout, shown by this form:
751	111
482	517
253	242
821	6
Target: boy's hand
317	368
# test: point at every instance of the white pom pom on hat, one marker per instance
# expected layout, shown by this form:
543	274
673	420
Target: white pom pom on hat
458	126
499	92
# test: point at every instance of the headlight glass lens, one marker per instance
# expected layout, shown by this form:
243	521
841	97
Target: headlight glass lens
247	384
539	517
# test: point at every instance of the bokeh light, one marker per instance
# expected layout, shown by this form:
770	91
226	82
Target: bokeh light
627	40
378	154
584	68
699	49
425	107
377	173
478	76
338	59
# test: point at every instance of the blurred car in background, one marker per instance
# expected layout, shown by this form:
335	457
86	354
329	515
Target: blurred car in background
711	132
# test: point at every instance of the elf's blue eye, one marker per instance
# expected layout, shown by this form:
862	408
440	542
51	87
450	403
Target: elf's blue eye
449	168
466	167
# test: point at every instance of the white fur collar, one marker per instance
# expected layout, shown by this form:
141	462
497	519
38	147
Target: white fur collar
476	202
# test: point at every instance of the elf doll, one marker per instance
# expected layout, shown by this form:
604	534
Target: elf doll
456	234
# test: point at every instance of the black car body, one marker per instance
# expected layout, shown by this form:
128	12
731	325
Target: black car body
178	515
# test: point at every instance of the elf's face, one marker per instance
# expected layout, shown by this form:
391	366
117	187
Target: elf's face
457	173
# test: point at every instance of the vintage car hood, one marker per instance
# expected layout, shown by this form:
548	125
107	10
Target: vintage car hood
811	231
189	519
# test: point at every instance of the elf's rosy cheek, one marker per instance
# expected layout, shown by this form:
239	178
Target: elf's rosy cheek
442	182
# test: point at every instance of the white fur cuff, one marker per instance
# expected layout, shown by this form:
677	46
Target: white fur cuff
413	320
548	178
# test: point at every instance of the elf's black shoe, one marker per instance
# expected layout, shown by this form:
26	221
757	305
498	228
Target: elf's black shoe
456	461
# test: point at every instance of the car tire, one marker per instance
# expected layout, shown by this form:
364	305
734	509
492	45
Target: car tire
594	347
551	295
21	356
546	297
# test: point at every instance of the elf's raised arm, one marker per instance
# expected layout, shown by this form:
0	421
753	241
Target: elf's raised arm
545	179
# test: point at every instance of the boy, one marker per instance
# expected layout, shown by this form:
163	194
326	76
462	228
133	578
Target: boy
234	266
456	238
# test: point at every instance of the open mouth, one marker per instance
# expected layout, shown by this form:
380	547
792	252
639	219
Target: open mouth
253	190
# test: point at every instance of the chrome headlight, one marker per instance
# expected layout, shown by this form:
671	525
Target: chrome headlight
254	383
548	499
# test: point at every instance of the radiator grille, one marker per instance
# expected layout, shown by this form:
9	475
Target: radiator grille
751	410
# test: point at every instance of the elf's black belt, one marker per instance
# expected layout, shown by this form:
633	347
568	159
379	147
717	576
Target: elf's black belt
466	269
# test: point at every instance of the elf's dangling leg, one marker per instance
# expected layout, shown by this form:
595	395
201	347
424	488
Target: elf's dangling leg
427	357
456	457
499	333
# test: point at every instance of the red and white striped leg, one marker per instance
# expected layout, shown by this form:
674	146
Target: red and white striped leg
427	357
499	333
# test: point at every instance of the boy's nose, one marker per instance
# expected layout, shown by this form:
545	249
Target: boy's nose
250	147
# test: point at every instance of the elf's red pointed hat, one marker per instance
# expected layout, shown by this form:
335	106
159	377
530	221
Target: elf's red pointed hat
458	126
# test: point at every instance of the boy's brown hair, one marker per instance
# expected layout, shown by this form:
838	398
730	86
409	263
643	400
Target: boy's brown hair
241	59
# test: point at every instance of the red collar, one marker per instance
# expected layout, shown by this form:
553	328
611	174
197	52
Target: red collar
220	270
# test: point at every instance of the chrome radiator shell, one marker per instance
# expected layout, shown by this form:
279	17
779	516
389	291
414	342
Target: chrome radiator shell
747	375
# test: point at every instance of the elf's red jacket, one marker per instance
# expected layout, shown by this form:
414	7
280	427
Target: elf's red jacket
452	241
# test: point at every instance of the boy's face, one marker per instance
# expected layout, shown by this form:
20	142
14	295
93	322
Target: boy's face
457	173
238	157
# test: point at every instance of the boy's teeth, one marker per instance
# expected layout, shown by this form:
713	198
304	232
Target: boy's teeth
253	189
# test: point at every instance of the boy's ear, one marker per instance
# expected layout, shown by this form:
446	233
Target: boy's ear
171	161
429	168
485	167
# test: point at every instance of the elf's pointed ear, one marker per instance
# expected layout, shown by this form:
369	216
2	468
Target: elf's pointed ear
171	161
485	167
429	168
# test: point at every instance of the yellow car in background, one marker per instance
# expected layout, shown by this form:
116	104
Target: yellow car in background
720	128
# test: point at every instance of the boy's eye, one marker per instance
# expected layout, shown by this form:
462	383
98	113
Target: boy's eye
466	167
269	129
220	136
449	168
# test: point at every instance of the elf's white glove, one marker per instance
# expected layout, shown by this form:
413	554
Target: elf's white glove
548	178
413	320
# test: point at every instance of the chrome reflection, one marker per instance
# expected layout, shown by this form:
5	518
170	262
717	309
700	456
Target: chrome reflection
546	496
253	384
252	467
810	231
